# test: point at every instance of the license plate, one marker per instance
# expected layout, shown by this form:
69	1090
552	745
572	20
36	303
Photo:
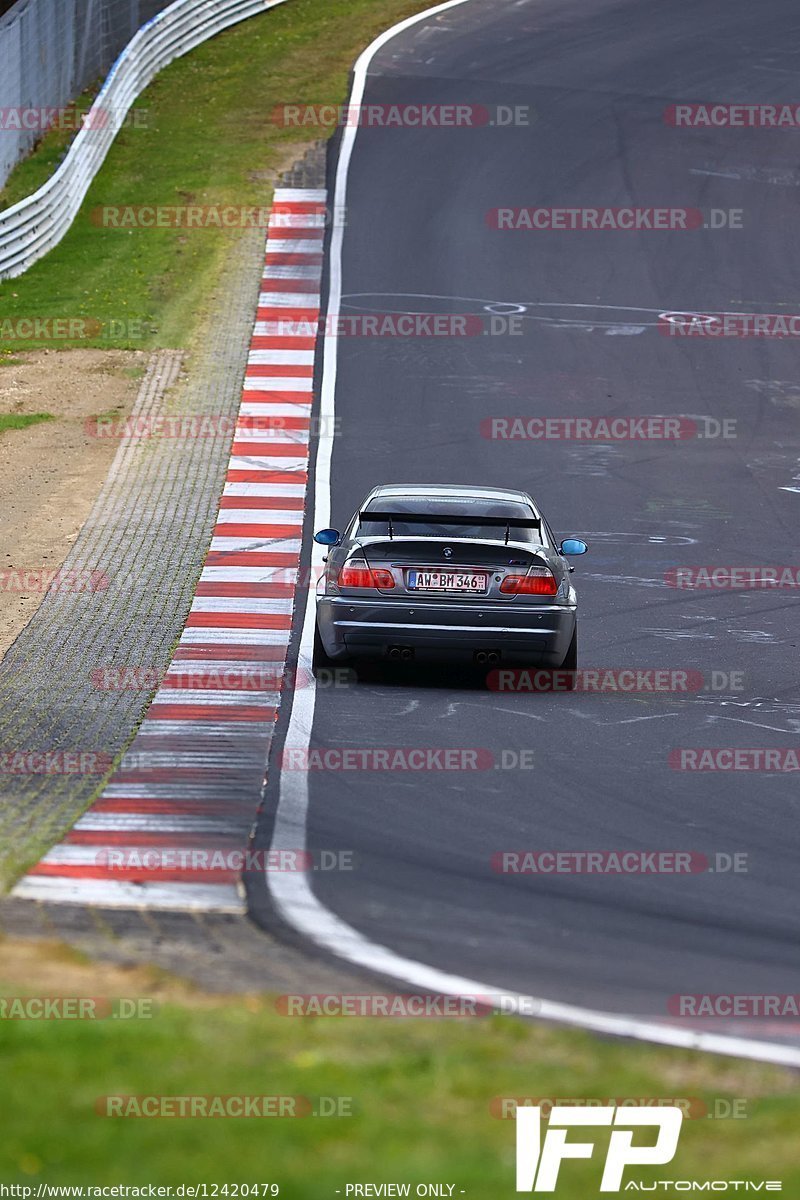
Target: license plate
447	581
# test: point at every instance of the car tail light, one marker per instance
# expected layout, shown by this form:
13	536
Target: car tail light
357	574
538	582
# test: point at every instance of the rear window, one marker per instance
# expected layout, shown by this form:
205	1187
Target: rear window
442	529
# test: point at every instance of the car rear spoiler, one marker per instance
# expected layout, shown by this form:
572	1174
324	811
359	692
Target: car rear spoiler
507	523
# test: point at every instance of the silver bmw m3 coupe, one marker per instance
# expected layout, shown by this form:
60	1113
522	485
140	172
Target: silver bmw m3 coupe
436	572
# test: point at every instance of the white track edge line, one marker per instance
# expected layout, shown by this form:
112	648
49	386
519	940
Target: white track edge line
293	897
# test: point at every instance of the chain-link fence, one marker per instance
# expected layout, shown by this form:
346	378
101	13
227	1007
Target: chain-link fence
50	50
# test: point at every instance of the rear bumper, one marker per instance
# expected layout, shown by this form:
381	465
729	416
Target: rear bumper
538	635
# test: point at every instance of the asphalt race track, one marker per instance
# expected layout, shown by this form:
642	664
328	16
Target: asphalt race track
596	78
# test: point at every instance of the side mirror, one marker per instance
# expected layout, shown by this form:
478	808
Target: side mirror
572	546
328	537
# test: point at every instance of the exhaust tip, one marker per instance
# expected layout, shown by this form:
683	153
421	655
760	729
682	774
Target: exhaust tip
493	657
481	656
406	653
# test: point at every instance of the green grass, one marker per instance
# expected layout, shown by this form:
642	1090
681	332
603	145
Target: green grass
204	136
22	420
420	1093
48	151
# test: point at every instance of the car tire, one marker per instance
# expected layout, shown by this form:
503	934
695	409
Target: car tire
570	663
320	659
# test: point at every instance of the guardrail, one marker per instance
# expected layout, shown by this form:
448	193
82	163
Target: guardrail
30	228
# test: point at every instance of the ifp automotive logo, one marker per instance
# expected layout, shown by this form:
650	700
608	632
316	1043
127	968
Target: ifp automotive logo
539	1160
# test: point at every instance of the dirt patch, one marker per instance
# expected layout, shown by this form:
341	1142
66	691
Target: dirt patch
55	969
50	968
52	472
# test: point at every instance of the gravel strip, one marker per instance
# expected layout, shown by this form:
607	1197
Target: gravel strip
147	534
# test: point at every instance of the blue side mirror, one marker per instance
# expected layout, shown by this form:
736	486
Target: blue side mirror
328	537
573	546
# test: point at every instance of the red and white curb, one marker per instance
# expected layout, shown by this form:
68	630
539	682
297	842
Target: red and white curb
184	798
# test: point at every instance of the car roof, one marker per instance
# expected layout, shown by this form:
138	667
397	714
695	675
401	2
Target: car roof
425	498
443	491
